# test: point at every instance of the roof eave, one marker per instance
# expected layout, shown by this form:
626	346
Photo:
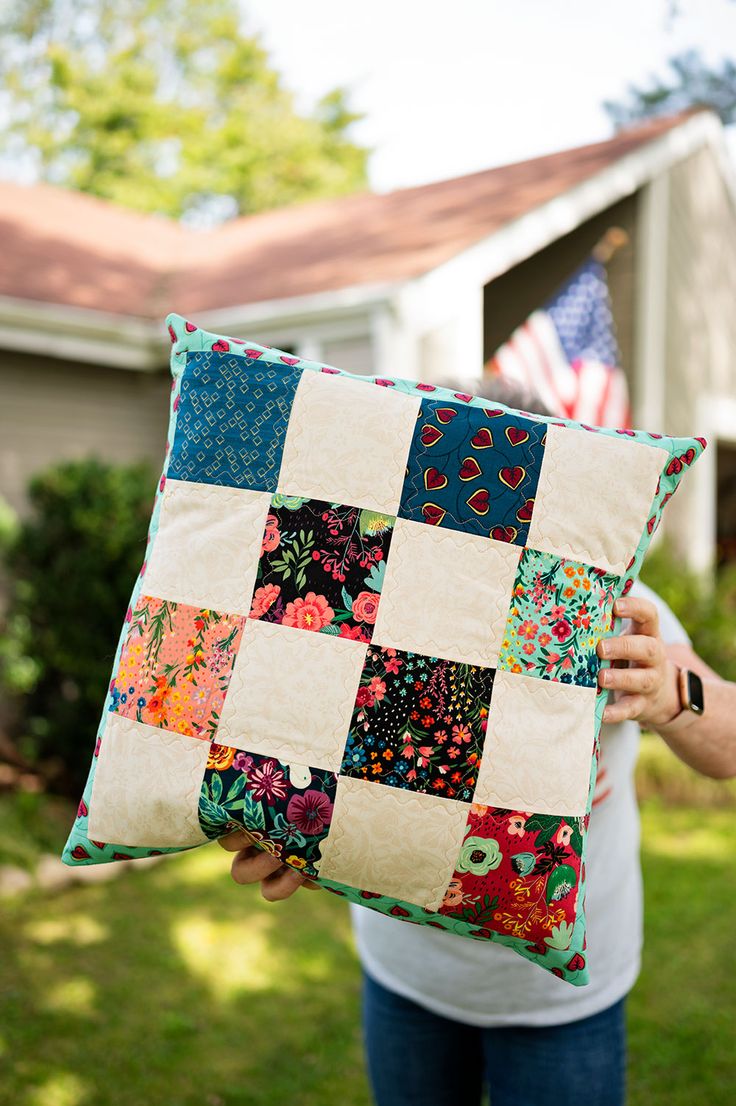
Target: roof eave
121	341
78	334
299	311
516	241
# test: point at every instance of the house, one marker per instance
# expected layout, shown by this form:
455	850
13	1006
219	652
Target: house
421	282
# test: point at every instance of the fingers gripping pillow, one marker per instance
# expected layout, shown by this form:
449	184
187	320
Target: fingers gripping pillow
365	630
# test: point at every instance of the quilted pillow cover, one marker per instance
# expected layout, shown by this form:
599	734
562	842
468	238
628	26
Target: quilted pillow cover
365	630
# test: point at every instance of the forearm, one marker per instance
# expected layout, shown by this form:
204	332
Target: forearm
706	742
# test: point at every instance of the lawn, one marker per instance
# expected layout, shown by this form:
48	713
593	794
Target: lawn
172	986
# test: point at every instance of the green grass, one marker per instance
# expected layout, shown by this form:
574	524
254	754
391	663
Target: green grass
171	986
683	1007
32	823
659	774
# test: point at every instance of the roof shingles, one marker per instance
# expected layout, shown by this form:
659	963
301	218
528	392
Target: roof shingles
69	248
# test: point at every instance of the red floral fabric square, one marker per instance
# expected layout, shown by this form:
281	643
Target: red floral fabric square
518	874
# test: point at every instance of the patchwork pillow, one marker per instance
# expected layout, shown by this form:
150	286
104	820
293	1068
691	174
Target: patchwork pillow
365	630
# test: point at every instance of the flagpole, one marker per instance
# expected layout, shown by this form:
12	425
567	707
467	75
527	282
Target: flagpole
612	240
566	350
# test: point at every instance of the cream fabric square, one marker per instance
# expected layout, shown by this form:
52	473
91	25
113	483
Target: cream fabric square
594	496
291	694
347	442
207	546
392	841
538	747
146	786
445	593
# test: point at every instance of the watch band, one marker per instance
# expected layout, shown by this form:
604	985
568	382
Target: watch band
690	692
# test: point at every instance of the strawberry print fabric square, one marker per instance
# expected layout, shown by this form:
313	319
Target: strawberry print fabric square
322	566
518	873
347	442
146	786
175	666
445	593
232	418
559	611
419	723
595	496
473	469
287	806
207	545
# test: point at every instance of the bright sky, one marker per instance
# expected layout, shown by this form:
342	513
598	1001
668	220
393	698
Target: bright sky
449	88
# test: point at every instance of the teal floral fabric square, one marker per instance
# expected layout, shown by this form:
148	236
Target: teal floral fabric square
559	610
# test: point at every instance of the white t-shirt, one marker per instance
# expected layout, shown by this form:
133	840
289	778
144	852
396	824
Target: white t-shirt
485	984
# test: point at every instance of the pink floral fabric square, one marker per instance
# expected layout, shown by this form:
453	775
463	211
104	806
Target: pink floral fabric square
175	666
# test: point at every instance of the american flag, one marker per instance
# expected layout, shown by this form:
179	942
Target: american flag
567	353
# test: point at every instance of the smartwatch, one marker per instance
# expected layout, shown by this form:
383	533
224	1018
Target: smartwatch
691	691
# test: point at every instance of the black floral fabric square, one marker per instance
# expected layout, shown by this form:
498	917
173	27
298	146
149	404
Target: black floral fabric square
322	566
419	723
286	807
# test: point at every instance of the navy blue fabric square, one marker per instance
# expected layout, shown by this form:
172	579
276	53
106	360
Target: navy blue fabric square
473	469
232	420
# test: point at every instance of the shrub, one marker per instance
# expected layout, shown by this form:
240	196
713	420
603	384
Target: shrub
705	605
72	565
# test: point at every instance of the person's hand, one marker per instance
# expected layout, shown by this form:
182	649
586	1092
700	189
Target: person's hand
642	676
252	864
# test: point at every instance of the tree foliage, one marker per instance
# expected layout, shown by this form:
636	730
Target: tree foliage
165	106
692	84
705	605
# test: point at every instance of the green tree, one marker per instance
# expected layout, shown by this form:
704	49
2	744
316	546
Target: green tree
165	106
692	84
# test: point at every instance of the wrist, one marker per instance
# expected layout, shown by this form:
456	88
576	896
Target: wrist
676	716
682	721
672	707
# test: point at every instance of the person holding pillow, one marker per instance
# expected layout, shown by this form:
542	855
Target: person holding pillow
444	1017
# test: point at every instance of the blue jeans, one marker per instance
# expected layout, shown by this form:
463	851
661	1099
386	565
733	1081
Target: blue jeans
417	1058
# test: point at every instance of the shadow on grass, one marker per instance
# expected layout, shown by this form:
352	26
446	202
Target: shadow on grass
174	986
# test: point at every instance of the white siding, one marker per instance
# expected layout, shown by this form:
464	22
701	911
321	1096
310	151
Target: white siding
700	340
353	354
52	410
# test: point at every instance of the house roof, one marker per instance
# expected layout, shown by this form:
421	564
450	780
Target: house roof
67	248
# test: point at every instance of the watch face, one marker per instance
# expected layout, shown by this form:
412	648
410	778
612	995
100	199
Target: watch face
695	692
